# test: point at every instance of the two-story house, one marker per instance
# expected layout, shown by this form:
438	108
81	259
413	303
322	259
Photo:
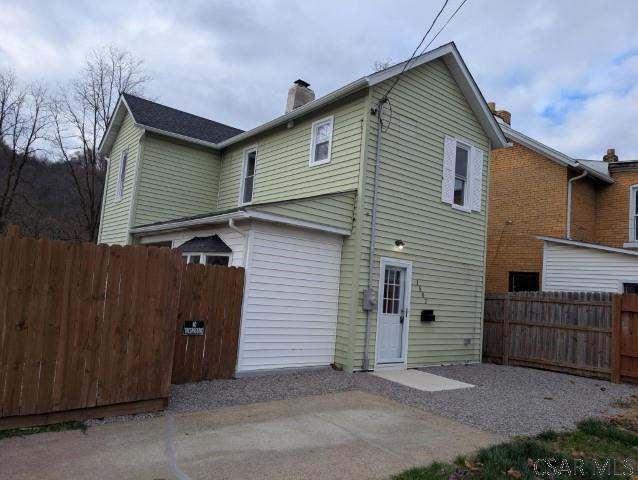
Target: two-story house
557	223
360	216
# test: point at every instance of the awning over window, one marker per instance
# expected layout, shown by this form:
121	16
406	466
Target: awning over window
212	244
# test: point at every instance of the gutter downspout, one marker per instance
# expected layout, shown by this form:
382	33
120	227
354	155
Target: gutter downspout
569	203
232	226
373	227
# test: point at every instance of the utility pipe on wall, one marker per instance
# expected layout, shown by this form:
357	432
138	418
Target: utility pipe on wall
373	226
232	226
569	203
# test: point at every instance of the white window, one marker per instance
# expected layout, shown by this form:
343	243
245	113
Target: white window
248	176
633	209
321	142
462	185
119	190
207	258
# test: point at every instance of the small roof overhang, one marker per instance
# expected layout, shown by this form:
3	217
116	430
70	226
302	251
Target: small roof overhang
235	215
593	246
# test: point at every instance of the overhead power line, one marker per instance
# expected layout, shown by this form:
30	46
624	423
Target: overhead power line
405	65
444	25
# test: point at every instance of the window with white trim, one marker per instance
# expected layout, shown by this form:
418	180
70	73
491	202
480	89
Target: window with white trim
248	175
203	258
321	142
461	175
633	208
119	189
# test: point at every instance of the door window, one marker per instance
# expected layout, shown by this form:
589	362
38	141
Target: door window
392	291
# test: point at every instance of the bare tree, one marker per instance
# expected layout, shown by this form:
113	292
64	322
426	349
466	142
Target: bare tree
379	65
81	113
23	120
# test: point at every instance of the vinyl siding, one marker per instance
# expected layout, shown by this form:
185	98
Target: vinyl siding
446	246
115	217
332	210
176	180
570	268
290	303
282	169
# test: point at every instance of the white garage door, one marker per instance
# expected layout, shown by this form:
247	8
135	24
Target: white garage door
290	303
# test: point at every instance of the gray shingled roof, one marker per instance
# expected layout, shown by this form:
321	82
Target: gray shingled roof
212	244
154	115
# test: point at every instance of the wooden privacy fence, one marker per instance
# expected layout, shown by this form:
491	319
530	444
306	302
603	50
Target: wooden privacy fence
625	338
90	330
564	331
214	296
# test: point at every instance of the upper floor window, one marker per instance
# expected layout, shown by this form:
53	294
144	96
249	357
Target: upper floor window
321	141
462	185
248	175
461	165
119	189
633	208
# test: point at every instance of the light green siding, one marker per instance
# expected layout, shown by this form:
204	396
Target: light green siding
176	180
282	169
445	245
332	210
115	217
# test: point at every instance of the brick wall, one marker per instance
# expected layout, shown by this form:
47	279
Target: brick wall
612	213
528	197
583	209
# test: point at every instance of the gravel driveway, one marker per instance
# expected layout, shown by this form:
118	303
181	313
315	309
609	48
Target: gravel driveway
506	400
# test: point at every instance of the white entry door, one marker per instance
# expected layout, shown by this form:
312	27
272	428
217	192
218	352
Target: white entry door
392	313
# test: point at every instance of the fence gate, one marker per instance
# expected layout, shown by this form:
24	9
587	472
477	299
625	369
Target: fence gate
212	295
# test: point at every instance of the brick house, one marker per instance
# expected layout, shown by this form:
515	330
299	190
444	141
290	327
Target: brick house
529	197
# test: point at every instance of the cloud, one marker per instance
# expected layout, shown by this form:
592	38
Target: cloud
566	70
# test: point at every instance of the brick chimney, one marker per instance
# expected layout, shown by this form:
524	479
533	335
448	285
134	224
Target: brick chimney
502	114
299	94
611	155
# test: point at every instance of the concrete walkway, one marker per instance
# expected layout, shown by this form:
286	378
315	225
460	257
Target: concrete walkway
348	435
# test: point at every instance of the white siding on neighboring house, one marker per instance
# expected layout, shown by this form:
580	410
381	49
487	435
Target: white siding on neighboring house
290	304
585	269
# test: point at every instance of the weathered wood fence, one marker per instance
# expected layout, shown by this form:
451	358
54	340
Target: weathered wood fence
90	330
584	333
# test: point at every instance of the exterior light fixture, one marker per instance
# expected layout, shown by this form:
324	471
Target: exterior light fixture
400	244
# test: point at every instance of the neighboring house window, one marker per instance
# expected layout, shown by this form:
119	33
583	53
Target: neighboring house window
462	185
633	208
524	282
321	142
207	258
119	190
248	175
630	288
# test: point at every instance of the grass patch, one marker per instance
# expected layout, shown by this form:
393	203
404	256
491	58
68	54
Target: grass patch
56	427
595	449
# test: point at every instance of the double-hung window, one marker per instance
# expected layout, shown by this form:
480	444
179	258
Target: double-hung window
207	258
248	175
462	183
321	142
119	189
461	175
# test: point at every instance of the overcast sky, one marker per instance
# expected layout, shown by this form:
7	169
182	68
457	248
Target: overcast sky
567	70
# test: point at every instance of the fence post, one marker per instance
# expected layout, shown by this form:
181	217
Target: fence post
506	329
616	337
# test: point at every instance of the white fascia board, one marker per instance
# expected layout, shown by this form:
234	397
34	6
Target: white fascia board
593	246
294	222
298	112
185	224
116	122
452	58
